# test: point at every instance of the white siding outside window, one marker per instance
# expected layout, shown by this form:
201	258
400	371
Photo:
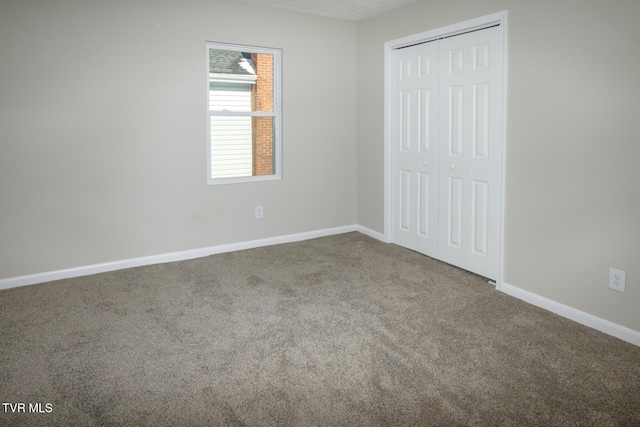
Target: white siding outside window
231	140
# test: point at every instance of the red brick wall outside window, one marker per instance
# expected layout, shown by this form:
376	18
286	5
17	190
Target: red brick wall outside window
262	127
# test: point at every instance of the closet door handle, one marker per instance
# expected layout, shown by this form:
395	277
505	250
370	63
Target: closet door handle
452	166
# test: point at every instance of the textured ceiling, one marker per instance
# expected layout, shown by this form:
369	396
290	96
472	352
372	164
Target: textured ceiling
352	10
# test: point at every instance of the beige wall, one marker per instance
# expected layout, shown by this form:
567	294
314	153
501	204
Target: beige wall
573	145
102	130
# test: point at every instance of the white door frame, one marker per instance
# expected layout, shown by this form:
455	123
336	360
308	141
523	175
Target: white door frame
461	27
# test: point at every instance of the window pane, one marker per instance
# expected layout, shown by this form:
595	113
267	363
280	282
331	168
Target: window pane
234	74
242	146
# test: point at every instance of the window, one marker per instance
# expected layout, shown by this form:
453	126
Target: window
243	114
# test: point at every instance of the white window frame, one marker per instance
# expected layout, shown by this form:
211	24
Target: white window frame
276	114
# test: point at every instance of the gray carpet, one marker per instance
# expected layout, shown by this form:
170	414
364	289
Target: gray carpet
336	331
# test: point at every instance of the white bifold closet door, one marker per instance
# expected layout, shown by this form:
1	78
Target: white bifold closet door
446	155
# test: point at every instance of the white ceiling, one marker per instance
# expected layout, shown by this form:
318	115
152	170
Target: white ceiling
352	10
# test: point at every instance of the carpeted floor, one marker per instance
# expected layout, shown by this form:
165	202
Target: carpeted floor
336	331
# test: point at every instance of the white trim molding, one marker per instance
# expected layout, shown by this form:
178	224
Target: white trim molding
371	233
597	323
610	328
87	270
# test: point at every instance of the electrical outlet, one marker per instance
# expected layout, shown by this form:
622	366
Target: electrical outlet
617	279
259	212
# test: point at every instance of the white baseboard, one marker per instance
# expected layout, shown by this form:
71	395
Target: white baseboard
371	233
168	257
610	328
